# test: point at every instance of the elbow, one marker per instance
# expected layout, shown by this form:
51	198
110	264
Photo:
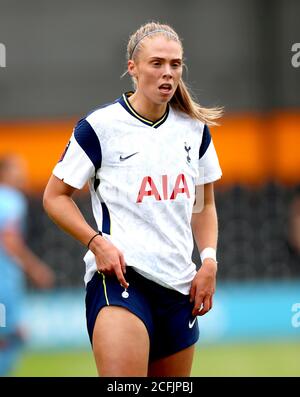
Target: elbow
46	202
55	195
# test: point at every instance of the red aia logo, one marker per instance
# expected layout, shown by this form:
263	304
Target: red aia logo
148	188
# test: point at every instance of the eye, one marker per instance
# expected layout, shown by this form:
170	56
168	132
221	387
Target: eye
176	65
156	63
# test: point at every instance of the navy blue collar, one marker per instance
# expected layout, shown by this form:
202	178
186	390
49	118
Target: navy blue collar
127	106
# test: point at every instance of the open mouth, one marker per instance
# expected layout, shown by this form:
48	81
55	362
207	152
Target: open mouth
165	88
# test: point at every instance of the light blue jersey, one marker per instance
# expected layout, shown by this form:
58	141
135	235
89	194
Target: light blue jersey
13	210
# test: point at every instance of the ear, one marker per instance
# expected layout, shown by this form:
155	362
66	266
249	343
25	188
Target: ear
131	68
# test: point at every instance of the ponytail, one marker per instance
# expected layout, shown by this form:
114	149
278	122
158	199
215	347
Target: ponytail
182	100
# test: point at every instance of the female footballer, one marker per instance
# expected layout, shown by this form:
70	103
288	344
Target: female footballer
146	158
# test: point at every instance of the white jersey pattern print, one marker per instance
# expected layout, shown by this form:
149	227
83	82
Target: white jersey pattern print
142	178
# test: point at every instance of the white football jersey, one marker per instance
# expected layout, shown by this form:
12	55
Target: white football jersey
142	177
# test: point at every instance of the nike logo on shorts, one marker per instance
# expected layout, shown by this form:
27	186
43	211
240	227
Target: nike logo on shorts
192	323
127	157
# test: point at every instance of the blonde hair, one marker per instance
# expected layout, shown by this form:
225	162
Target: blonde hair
182	99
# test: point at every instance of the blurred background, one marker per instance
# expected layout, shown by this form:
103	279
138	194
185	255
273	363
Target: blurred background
62	59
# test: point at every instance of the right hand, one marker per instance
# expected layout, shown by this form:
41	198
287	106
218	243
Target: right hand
109	259
42	275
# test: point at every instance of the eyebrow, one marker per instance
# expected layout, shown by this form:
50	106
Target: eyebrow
162	59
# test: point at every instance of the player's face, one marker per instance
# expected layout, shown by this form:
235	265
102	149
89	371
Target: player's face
157	69
15	174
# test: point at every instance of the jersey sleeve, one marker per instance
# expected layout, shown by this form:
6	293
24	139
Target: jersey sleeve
81	158
208	162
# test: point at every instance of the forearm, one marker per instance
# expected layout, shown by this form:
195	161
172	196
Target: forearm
205	227
27	259
31	264
205	230
15	246
65	213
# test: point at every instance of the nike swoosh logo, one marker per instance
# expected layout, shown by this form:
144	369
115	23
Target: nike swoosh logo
127	157
191	323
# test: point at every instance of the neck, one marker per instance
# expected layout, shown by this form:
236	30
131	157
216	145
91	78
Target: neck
146	108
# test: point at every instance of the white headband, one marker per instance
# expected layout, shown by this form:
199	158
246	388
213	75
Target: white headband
150	33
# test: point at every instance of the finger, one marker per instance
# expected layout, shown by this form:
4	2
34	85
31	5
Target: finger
206	306
106	272
103	271
198	304
120	276
211	302
123	264
192	293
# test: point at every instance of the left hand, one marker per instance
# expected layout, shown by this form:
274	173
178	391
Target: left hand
203	287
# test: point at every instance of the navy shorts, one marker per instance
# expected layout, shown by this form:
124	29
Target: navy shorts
166	313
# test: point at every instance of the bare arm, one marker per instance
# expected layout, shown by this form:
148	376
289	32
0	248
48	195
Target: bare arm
14	244
61	208
205	230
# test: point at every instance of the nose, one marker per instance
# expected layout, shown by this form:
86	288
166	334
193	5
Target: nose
167	71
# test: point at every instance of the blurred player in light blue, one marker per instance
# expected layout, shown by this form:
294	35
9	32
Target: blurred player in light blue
16	260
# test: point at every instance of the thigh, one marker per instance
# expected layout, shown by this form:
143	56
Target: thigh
177	364
120	343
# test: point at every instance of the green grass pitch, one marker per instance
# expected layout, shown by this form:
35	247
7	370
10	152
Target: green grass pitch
255	359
